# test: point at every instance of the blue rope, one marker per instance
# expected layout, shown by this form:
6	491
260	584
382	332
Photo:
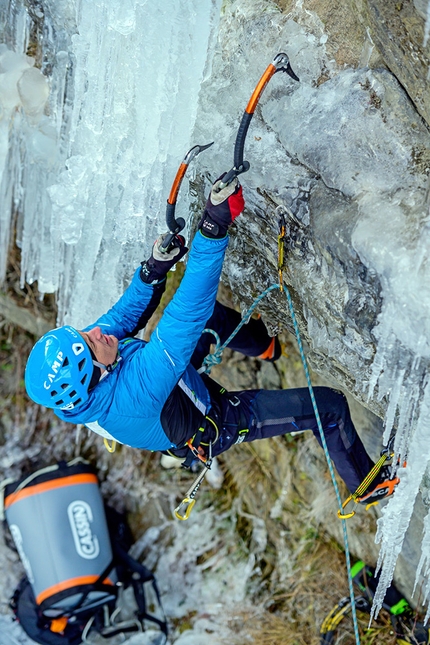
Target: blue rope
215	359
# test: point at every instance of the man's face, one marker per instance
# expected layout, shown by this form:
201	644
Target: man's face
104	347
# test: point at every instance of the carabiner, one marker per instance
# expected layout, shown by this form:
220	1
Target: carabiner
189	501
110	447
188	504
346	516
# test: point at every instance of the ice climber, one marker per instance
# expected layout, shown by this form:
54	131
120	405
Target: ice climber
149	395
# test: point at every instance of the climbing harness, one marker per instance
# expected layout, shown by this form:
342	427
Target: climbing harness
404	622
182	512
280	63
176	225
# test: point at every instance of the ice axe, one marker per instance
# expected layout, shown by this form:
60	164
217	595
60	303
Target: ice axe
280	63
176	225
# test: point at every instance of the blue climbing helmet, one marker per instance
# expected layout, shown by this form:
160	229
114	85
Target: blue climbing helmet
59	369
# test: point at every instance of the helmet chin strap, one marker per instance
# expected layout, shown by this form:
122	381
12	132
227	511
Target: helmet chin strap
108	368
101	365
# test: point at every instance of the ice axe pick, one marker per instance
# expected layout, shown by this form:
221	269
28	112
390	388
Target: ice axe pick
176	225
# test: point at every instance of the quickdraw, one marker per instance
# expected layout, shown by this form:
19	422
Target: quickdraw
182	512
281	241
386	455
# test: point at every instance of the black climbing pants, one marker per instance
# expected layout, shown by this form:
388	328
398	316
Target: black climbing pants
252	339
259	414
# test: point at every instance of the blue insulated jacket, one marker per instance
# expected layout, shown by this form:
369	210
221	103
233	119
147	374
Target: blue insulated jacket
127	404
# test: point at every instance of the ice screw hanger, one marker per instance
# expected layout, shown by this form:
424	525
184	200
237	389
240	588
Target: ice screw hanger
176	225
280	63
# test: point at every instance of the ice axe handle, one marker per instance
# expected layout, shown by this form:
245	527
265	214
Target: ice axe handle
175	226
240	143
280	63
232	174
170	242
240	165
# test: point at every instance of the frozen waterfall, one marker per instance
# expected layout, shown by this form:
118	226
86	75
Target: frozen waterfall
89	146
90	172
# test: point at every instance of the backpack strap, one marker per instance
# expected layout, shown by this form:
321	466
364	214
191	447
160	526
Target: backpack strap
95	586
144	575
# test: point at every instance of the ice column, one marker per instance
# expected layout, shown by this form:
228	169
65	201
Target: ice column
23	94
399	373
124	83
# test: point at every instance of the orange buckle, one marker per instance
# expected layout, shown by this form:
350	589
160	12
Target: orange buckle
196	451
58	625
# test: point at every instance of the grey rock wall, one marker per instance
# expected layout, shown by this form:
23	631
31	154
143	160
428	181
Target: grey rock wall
398	30
344	156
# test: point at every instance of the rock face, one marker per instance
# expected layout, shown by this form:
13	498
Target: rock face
344	157
367	32
400	32
356	142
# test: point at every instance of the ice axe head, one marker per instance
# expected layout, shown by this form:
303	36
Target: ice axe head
196	150
282	64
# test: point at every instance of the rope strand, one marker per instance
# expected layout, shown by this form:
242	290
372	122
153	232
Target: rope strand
215	358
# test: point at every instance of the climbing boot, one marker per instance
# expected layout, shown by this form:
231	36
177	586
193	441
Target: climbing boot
382	487
273	352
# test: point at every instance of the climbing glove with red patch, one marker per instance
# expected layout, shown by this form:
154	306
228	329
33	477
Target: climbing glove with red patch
159	264
222	208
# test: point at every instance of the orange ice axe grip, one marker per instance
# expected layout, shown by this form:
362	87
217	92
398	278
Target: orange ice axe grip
279	64
176	225
173	195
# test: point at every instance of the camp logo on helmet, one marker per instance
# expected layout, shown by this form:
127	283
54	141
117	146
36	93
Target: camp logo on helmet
80	518
54	368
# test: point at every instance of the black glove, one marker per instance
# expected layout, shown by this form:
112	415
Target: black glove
222	207
159	264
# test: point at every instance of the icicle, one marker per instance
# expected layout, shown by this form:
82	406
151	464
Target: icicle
396	515
394	402
405	422
95	173
423	568
377	368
